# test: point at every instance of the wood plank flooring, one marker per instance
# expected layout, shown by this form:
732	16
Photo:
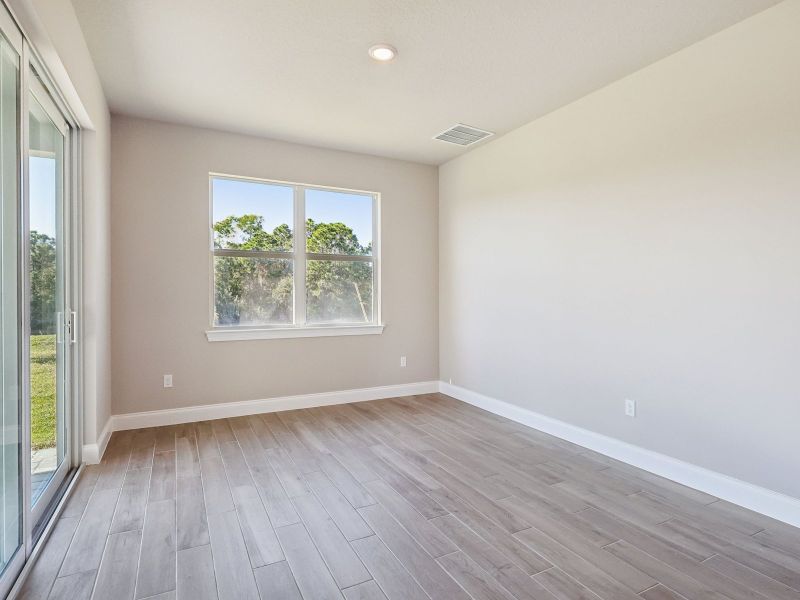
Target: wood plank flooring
414	498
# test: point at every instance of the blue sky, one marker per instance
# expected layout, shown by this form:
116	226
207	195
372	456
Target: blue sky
274	203
42	179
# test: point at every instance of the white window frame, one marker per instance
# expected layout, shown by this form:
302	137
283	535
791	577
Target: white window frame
299	256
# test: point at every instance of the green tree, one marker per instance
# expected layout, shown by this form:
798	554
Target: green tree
251	290
43	283
333	238
337	290
247	233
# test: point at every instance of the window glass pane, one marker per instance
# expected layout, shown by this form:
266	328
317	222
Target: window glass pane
338	222
250	215
252	291
46	298
10	414
338	291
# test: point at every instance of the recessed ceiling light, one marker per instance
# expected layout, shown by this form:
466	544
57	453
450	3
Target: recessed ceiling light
382	52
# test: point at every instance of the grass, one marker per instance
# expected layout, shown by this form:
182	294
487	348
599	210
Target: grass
43	391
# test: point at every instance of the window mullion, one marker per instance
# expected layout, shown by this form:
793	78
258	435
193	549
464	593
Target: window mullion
299	256
376	260
251	253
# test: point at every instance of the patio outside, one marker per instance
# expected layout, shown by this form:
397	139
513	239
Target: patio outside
43	411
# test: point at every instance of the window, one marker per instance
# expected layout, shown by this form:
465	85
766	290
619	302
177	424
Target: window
292	260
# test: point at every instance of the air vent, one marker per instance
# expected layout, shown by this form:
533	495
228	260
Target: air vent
463	135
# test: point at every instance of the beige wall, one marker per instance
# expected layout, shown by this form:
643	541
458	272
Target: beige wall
644	243
160	272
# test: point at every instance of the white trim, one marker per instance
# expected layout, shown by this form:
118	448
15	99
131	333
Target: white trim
92	453
299	252
316	186
10	31
242	333
42	47
48	105
191	414
377	262
762	500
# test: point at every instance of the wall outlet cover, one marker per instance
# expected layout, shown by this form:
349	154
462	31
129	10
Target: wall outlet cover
630	408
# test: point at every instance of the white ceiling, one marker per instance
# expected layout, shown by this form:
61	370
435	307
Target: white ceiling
298	70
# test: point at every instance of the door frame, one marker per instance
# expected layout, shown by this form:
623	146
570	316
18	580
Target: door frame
37	525
16	563
34	90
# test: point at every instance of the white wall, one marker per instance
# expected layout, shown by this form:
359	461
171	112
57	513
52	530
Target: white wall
161	272
55	32
644	242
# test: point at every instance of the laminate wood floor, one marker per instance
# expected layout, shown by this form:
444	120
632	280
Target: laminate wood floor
410	498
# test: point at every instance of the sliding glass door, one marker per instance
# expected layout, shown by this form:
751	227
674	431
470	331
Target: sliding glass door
37	324
48	335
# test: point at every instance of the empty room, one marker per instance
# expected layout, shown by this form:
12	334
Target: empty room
400	300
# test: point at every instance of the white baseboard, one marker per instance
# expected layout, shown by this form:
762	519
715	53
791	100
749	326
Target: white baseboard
762	500
190	414
768	502
92	453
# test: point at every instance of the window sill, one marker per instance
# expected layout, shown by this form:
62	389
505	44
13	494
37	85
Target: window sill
242	334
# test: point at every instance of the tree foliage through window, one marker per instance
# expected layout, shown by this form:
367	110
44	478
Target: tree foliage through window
43	283
256	290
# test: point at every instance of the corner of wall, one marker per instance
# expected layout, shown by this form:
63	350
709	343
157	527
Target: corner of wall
93	452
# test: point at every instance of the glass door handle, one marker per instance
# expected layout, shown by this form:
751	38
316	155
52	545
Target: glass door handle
73	327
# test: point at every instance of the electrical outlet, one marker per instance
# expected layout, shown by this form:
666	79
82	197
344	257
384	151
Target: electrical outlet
402	361
167	381
630	408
